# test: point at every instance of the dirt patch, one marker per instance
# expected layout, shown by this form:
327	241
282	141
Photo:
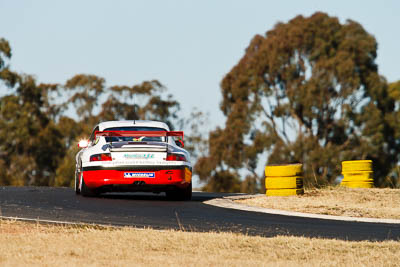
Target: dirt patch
340	201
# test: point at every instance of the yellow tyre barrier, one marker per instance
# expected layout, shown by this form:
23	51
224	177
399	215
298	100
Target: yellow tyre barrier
358	181
284	180
362	176
357	174
284	192
356	165
358	184
283	170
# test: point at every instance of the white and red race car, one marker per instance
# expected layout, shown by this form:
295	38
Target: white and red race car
131	156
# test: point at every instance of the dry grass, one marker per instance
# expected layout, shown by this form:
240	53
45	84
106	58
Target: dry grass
341	201
23	244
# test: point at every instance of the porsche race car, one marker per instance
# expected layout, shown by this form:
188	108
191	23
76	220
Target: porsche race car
131	156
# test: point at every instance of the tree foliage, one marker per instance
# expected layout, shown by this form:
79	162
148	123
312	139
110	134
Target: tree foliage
307	91
30	143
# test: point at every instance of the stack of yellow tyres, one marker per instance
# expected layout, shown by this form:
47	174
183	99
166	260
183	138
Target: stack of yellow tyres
357	174
284	180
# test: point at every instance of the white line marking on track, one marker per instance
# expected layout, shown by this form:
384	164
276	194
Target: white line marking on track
55	222
81	224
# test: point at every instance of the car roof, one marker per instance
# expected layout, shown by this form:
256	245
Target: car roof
132	123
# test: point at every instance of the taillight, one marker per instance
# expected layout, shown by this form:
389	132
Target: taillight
101	157
175	157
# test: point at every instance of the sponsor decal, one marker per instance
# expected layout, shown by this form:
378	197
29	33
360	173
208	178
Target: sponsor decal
139	156
139	175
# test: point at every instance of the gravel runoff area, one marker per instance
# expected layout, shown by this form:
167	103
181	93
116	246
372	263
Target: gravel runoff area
30	244
339	201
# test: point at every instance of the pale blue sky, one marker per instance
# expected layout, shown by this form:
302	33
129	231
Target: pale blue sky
187	45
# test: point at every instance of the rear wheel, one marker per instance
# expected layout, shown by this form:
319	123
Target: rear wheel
88	192
77	191
180	194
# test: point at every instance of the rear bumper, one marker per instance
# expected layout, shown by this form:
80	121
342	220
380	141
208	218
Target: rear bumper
112	179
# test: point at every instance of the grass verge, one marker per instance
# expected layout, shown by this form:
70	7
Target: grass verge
24	244
340	201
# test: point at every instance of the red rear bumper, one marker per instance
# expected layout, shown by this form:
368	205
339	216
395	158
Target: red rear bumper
163	177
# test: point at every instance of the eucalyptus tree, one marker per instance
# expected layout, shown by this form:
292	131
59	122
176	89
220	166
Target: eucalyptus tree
307	91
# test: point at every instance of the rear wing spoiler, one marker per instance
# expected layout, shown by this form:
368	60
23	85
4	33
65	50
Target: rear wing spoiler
138	133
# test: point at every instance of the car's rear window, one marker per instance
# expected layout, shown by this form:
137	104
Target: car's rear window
143	138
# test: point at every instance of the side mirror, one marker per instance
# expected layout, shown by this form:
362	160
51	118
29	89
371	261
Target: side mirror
179	143
83	143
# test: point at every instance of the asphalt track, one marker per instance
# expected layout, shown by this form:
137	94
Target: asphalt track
155	211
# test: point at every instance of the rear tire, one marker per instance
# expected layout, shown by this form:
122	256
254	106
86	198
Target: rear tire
88	192
180	194
77	191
